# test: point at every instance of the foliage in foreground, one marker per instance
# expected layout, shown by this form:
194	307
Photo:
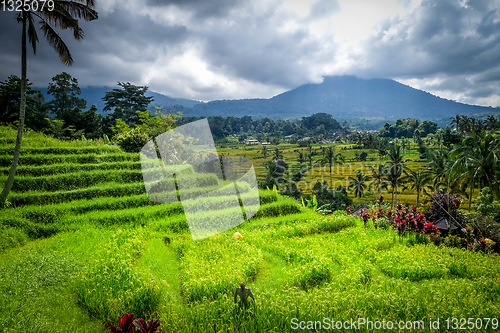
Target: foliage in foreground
110	286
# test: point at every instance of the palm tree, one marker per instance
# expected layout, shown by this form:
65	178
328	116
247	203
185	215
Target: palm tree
479	156
378	178
395	168
439	166
491	122
309	159
331	158
64	14
277	154
418	180
358	184
301	158
457	121
264	151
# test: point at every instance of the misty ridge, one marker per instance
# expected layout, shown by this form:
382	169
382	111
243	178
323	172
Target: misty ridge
344	97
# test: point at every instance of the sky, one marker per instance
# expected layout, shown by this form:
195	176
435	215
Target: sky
233	49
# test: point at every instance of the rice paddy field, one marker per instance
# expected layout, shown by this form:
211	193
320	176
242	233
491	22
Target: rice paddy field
314	172
82	244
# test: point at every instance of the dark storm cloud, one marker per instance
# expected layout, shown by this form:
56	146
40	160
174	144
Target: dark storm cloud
445	38
112	47
201	9
237	49
263	50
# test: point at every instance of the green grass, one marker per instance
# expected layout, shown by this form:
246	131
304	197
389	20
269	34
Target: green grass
54	169
105	149
71	260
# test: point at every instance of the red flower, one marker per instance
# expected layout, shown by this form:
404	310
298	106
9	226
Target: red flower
125	324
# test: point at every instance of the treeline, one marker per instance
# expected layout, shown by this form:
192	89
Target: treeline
66	116
234	129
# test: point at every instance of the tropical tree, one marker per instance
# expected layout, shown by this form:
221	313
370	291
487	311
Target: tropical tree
301	158
331	158
479	155
378	178
418	180
309	159
126	101
492	122
457	121
358	184
277	154
439	166
63	14
264	151
10	103
395	167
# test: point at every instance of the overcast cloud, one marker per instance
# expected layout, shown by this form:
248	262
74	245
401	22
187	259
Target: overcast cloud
231	49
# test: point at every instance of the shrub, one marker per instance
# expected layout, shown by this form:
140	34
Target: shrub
445	205
486	204
131	141
486	228
455	241
335	199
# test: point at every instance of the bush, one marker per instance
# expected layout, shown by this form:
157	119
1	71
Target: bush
487	228
486	204
335	199
131	141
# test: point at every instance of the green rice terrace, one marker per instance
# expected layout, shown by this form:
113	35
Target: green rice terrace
82	244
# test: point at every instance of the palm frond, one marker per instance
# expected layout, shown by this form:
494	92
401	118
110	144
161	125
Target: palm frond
57	43
77	9
61	19
32	35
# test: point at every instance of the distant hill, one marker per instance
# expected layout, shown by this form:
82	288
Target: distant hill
368	103
94	95
344	97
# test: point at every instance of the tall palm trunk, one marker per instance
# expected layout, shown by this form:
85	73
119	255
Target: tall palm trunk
396	189
22	111
331	182
471	191
418	195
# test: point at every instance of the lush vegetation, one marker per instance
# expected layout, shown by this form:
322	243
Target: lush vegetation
79	252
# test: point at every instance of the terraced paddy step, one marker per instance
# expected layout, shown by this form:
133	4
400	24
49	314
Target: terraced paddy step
54	169
108	189
106	196
63	150
42	159
85	179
